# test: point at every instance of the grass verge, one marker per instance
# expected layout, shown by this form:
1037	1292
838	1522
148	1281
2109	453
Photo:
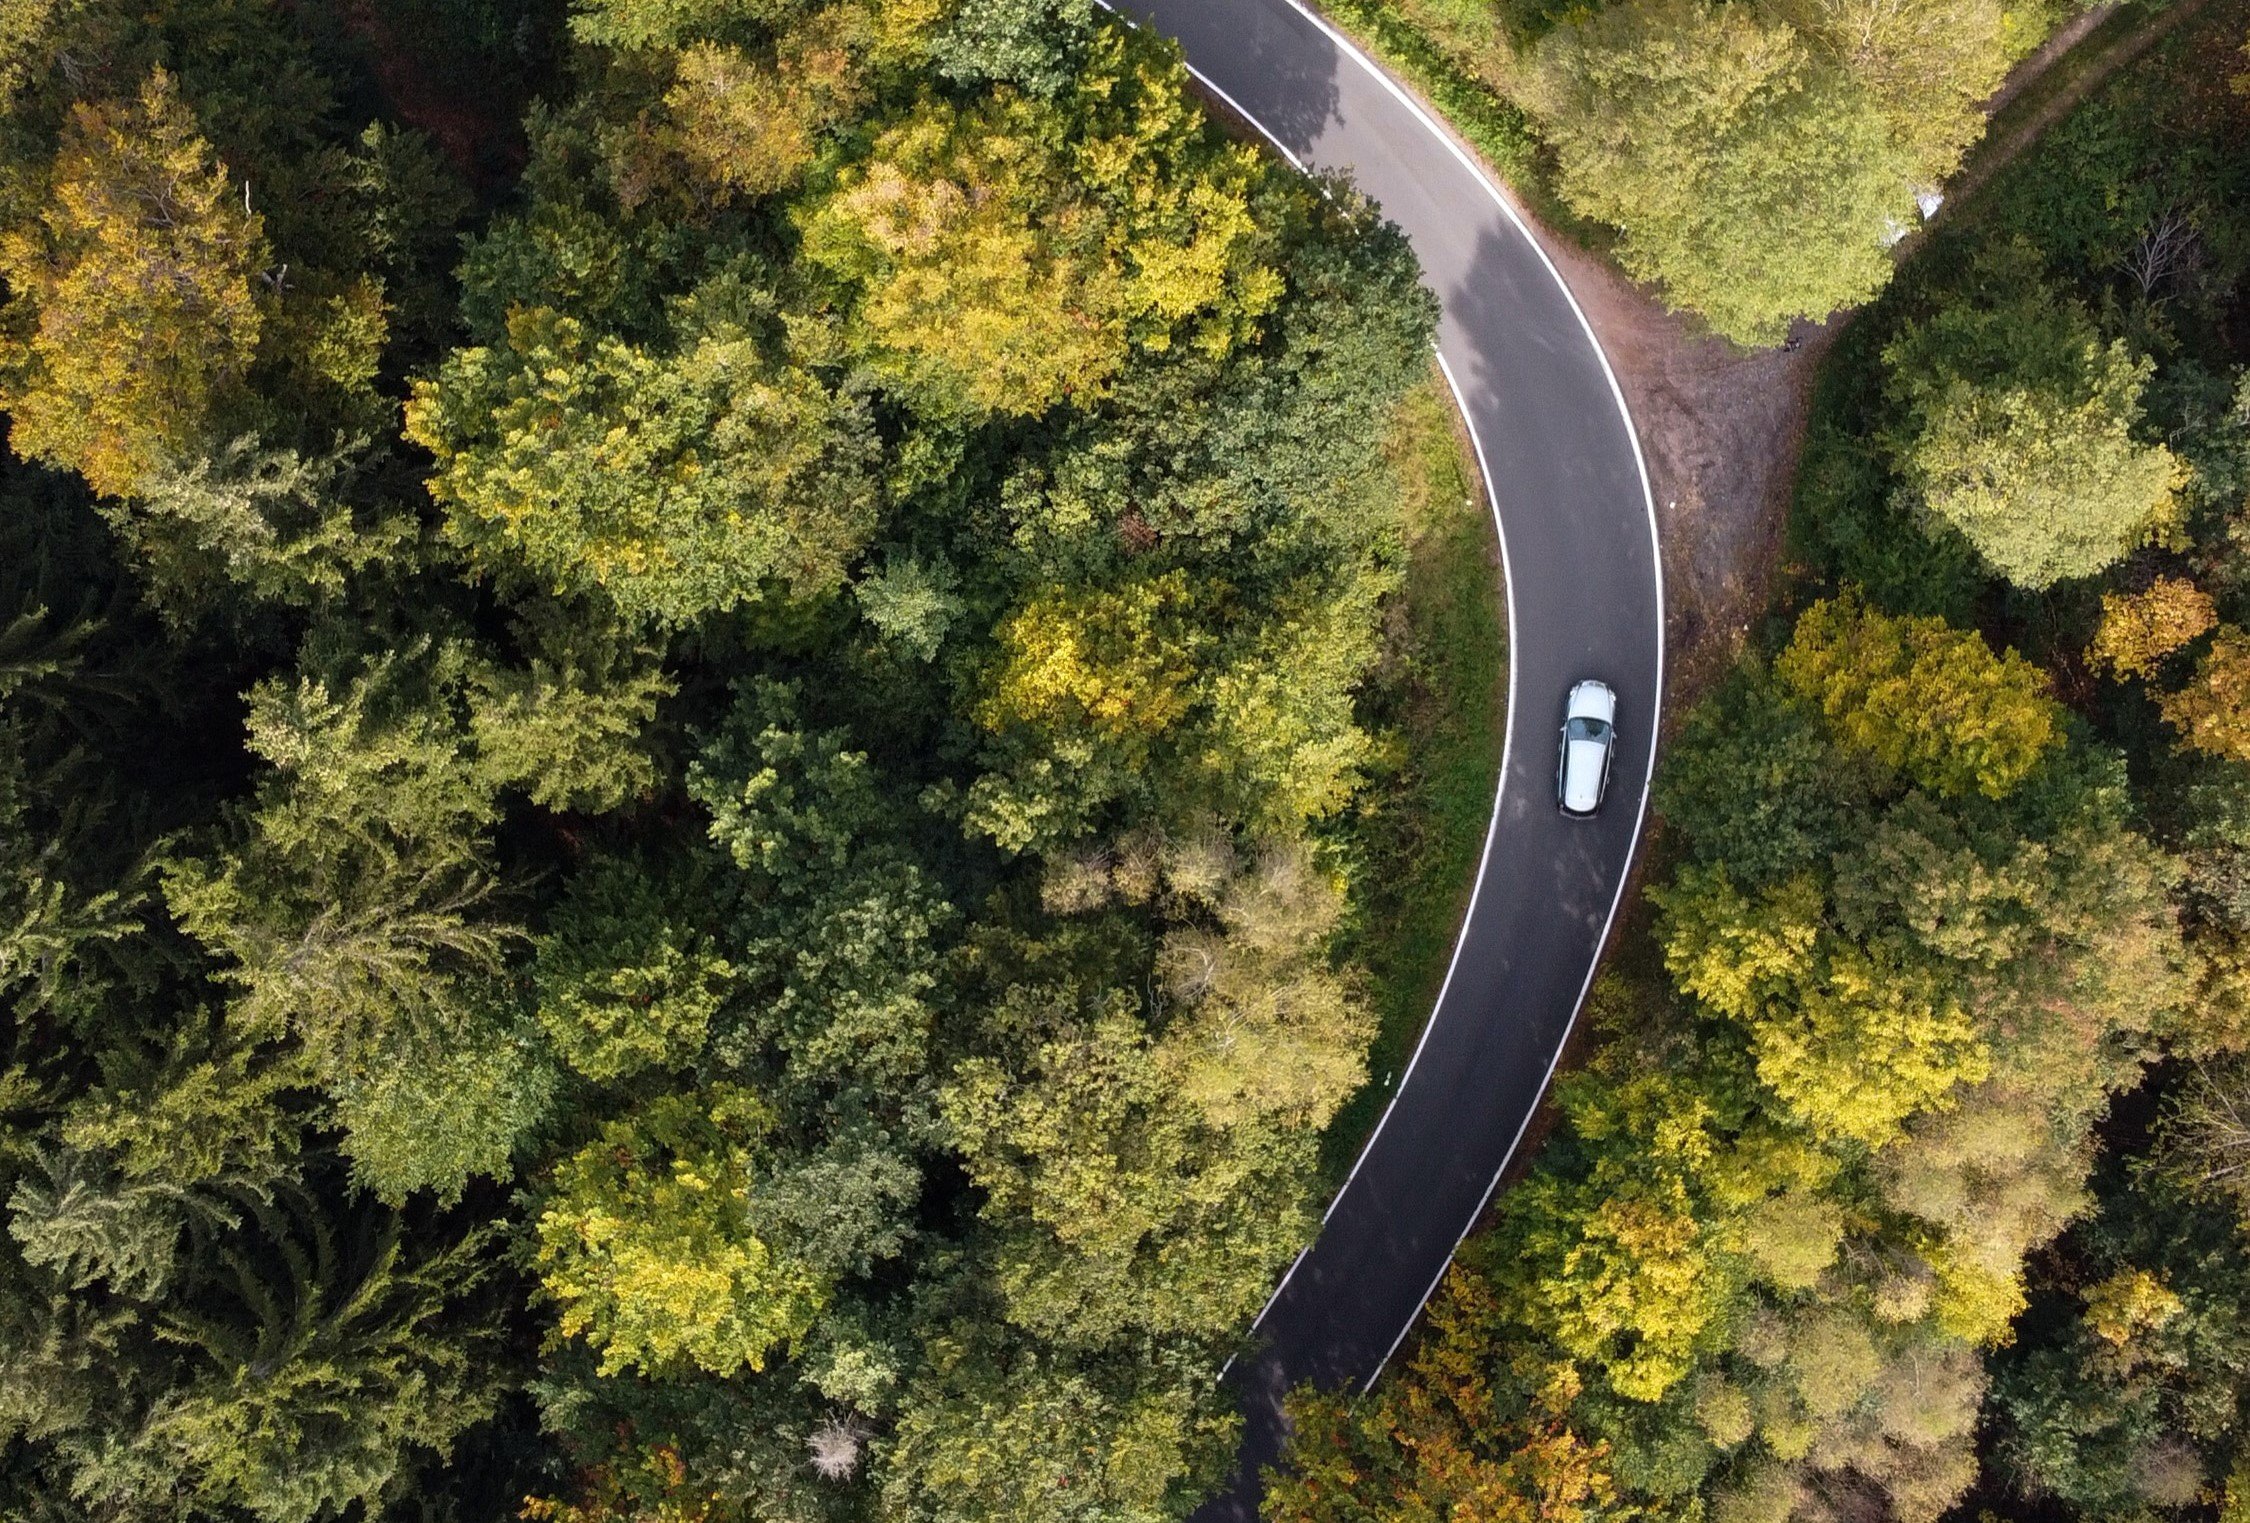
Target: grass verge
1440	696
1491	123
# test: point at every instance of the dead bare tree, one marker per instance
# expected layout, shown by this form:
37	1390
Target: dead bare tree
2166	251
2208	1131
835	1447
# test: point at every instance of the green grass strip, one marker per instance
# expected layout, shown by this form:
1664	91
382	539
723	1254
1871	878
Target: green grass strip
1441	700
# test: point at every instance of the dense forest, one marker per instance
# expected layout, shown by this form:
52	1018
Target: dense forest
718	764
682	686
1908	1175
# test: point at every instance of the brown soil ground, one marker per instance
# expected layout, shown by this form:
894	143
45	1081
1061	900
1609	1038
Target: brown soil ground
1720	427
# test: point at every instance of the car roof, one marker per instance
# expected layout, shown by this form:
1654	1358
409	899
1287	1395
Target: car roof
1582	775
1592	700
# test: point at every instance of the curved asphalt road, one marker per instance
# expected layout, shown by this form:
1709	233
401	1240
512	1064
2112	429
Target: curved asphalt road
1585	599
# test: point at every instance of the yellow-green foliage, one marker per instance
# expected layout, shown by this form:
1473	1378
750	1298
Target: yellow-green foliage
1850	1043
1265	1028
1103	1174
2129	1304
990	1437
1628	1279
1285	744
625	981
1105	1153
1006	259
2139	629
1752	182
2046	491
674	484
1934	703
748	128
2023	428
1116	662
24	39
2212	712
1759	159
647	1244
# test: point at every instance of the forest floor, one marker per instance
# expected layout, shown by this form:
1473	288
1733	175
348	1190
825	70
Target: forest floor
469	102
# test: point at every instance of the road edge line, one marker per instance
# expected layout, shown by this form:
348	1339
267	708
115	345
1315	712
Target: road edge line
1346	47
1468	161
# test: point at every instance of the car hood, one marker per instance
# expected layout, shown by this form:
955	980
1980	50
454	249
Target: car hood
1591	700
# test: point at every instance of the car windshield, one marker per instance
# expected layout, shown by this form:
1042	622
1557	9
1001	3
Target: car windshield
1583	728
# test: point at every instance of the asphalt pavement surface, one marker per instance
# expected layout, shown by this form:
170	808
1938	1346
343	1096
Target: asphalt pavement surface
1585	600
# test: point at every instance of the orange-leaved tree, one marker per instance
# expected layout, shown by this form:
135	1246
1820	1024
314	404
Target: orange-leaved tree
2139	629
135	308
1456	1436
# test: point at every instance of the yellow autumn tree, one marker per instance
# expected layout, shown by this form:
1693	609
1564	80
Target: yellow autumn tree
676	482
742	122
1921	697
975	295
2129	1304
748	127
1265	1028
1447	1439
134	309
1112	661
2212	713
1624	1271
1285	745
1008	257
1851	1043
1866	1043
647	1243
2139	629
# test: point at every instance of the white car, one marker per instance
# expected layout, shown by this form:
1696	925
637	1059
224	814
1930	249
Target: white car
1589	743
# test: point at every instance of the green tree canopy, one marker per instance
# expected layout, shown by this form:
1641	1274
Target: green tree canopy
677	484
895	1032
1756	183
1760	160
2021	429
